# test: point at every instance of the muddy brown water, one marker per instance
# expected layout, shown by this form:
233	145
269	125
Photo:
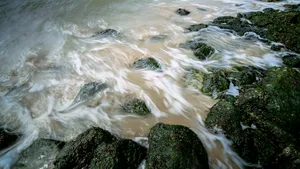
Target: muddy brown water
48	52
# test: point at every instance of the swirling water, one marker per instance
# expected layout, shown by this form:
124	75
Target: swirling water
48	51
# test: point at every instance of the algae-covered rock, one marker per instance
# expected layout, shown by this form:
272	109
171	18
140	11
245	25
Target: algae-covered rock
146	63
40	154
78	153
203	51
245	75
215	82
120	154
182	12
262	123
174	146
136	106
277	26
106	33
7	139
196	27
291	60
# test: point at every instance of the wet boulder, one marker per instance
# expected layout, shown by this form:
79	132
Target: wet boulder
196	27
136	106
147	64
215	82
79	152
174	146
241	76
7	139
106	33
40	154
262	123
120	154
291	60
182	12
203	51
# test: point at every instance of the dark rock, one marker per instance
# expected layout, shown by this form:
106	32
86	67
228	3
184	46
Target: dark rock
78	153
146	63
106	33
172	146
196	27
40	154
215	82
182	12
291	60
277	47
136	106
120	154
245	75
158	38
202	9
262	123
275	25
292	7
203	51
7	139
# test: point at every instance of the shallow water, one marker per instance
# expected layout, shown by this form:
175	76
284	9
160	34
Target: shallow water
48	52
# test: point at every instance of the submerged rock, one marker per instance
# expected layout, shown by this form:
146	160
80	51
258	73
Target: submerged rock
146	63
86	93
263	122
78	153
182	12
291	60
158	38
174	146
136	106
120	154
106	33
203	51
7	139
40	154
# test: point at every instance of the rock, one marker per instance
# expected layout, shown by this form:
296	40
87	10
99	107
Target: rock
267	109
120	154
215	82
174	146
196	27
277	47
277	26
203	51
40	154
292	7
106	33
245	75
291	60
78	153
158	38
7	139
86	93
194	78
182	12
136	106
146	63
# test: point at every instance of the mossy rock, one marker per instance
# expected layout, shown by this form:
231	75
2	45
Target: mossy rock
215	82
7	139
196	27
174	146
182	12
291	60
203	51
39	154
264	110
277	26
194	78
241	76
136	106
146	63
120	154
78	153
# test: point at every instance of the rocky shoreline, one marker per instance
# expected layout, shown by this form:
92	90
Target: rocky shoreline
262	121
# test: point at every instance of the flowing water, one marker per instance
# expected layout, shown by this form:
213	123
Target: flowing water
48	51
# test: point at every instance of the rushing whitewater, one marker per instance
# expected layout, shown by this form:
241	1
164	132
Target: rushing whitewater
50	49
